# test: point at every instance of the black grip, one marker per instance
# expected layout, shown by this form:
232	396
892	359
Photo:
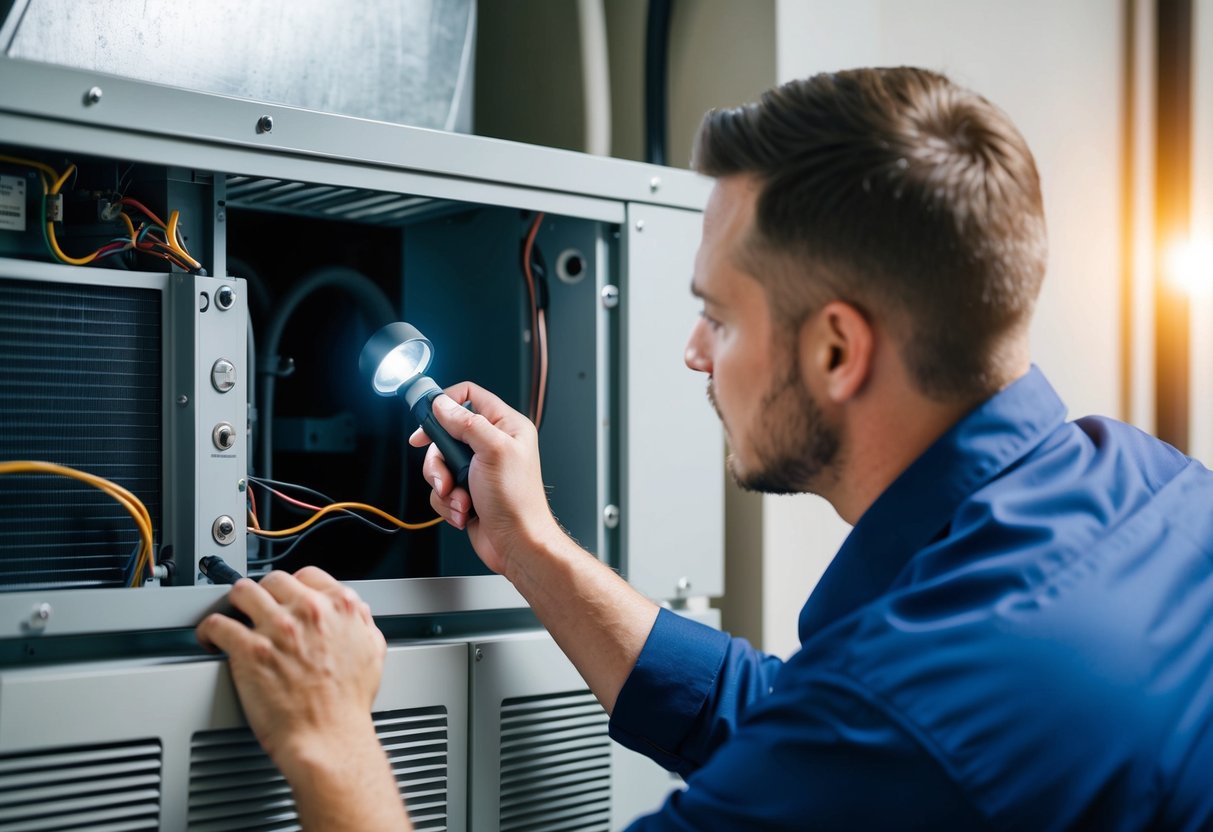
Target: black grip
216	568
458	455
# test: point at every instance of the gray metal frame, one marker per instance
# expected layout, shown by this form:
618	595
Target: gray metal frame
44	106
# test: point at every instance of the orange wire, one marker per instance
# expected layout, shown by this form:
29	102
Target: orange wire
528	248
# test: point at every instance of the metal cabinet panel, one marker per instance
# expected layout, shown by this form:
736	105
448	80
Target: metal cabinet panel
673	513
175	727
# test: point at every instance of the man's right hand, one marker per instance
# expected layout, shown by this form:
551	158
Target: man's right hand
511	512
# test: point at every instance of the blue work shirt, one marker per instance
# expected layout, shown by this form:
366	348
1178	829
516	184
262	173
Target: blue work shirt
1017	634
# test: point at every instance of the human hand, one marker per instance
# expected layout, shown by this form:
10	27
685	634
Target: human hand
511	507
307	671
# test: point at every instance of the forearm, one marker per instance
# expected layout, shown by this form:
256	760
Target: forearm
598	620
350	788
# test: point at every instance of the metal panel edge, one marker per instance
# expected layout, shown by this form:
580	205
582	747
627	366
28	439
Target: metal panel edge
81	612
58	93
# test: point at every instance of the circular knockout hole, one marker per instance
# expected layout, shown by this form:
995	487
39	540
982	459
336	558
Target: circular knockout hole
570	265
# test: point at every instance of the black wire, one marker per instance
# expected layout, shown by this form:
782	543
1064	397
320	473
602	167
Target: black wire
656	53
345	512
296	539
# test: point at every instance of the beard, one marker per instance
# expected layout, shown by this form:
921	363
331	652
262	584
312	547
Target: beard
792	443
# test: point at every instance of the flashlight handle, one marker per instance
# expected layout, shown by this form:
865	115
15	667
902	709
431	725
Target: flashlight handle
457	454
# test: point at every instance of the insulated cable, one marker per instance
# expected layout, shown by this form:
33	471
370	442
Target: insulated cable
145	561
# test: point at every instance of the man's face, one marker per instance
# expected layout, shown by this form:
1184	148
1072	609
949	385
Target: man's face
779	439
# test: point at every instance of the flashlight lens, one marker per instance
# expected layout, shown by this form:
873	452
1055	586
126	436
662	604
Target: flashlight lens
400	365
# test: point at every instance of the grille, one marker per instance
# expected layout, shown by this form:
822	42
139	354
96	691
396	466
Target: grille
233	784
332	202
97	787
555	764
80	385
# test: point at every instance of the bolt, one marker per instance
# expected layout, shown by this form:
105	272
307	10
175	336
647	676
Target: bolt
241	485
654	184
220	215
40	616
684	585
437	630
640	225
265	124
183	400
610	516
610	296
93	96
479	654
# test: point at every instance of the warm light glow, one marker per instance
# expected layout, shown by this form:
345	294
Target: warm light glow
1189	266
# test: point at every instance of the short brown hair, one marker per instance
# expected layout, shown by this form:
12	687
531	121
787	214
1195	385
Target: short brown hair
901	193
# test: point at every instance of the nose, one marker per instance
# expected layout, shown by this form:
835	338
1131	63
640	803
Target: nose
697	355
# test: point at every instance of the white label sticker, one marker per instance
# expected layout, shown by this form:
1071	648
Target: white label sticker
12	203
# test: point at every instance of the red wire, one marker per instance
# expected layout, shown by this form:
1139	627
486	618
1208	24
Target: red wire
290	499
543	366
252	505
134	203
530	286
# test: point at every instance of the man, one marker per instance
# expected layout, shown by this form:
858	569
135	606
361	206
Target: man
1015	634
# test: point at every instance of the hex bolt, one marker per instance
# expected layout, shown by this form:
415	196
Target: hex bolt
265	124
93	96
610	296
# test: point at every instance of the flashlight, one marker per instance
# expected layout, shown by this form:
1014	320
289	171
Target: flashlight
396	358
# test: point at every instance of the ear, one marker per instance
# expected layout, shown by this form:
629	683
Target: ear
836	347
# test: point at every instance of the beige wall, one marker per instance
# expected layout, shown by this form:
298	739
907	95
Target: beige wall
528	71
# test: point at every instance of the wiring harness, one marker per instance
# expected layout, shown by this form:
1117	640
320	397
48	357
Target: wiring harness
152	236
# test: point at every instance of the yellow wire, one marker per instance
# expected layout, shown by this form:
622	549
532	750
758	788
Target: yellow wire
130	226
30	163
126	499
171	238
334	507
50	227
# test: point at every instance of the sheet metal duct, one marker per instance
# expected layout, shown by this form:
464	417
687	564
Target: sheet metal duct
401	61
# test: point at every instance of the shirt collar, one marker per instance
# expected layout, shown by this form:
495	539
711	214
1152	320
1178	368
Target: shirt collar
920	502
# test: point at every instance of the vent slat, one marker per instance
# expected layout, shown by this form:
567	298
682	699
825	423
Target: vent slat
555	764
98	787
233	784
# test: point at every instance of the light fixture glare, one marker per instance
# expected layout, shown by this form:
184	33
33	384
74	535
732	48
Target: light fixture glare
401	364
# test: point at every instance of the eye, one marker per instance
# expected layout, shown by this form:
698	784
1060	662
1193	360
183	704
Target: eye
712	323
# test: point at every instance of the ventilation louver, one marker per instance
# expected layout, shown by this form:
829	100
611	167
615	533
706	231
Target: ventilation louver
233	784
555	764
97	787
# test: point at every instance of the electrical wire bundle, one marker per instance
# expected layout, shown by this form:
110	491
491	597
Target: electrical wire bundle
142	563
322	515
153	237
537	295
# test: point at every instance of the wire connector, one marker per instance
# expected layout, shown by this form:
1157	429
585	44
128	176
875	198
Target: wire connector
54	207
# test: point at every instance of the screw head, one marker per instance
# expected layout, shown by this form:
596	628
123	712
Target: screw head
640	225
93	96
610	516
40	616
684	585
241	485
265	124
610	296
220	215
479	654
654	184
183	400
